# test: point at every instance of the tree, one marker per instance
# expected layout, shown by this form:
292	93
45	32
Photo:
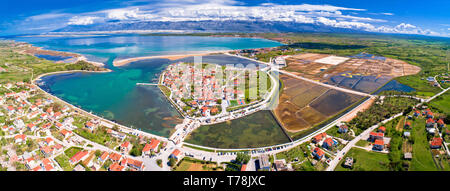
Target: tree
159	162
242	158
172	162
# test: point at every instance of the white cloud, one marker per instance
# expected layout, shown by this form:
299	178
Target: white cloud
220	10
82	20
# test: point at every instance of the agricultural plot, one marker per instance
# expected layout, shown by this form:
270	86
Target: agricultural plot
302	104
360	73
339	100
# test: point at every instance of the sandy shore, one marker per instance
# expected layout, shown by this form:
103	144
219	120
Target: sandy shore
123	62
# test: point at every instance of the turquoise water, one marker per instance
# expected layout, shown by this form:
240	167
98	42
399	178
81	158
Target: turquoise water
114	95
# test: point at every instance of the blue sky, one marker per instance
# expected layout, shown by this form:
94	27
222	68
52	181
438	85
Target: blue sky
388	16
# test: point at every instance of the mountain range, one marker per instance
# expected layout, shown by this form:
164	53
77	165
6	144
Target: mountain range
208	26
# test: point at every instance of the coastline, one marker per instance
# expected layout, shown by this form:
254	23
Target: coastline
122	62
83	112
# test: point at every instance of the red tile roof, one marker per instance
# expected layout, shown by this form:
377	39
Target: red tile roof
176	152
77	157
115	156
116	167
379	142
320	136
153	144
329	141
318	151
21	136
104	155
382	128
436	141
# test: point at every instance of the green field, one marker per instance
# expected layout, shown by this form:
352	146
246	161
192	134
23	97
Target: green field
23	67
366	161
442	103
422	158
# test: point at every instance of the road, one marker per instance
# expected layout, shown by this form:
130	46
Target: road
333	163
341	154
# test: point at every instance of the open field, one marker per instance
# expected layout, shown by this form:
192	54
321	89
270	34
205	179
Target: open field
422	158
365	161
187	164
442	103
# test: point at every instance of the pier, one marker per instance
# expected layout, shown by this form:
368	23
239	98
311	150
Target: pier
146	84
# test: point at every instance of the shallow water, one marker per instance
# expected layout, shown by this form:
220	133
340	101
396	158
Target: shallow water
115	95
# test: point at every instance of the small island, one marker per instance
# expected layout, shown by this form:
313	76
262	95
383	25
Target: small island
213	93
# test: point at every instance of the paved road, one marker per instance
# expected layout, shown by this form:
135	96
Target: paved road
352	143
333	163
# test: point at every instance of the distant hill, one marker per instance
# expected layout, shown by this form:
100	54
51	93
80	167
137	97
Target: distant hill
209	26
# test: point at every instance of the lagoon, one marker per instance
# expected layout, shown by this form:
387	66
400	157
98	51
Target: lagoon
114	95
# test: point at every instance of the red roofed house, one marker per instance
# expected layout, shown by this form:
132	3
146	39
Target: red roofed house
65	133
430	123
382	129
78	157
441	123
47	165
115	157
31	126
436	143
375	136
319	137
20	138
150	147
378	145
90	125
125	147
138	165
175	154
318	153
407	125
328	143
115	167
47	151
343	129
49	141
57	115
103	157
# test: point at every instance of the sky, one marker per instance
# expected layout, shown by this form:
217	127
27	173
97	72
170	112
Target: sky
386	16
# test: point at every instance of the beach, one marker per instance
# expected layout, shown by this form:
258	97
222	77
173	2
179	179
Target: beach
123	62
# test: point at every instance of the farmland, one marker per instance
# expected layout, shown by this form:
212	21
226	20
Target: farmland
302	104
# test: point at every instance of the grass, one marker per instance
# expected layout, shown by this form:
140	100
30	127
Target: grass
442	103
72	151
63	161
422	158
290	155
365	161
334	132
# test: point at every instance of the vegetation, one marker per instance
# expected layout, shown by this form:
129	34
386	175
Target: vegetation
380	110
23	67
366	161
